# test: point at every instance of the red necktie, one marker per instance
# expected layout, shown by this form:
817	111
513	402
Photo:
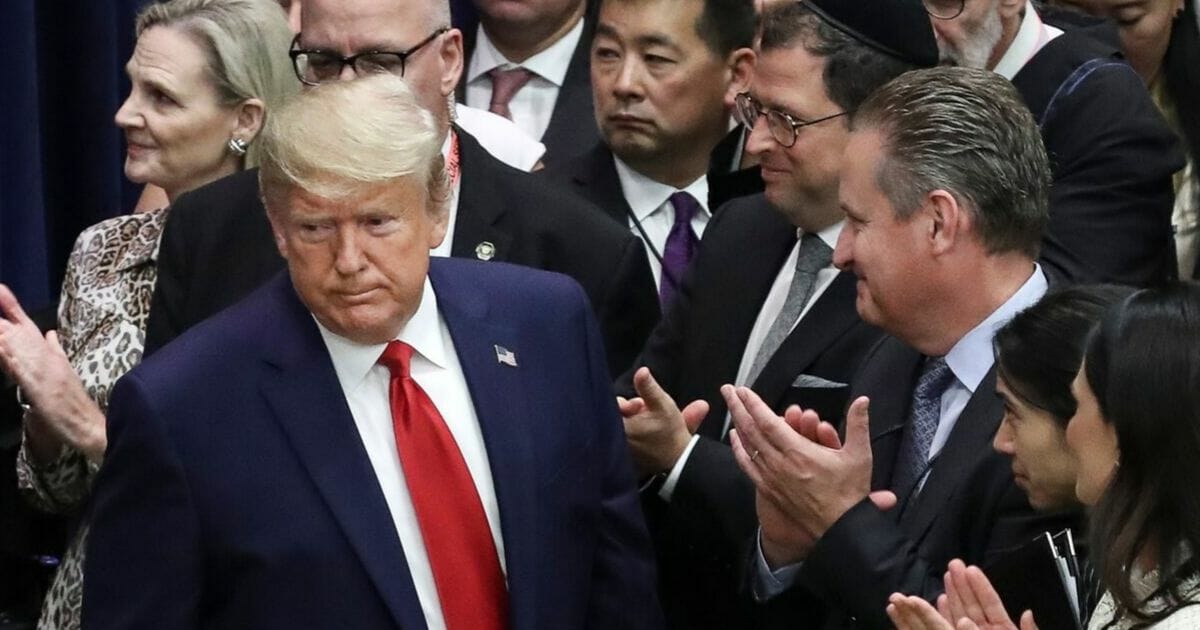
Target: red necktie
462	554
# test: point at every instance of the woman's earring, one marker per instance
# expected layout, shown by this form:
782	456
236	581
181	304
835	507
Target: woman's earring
237	146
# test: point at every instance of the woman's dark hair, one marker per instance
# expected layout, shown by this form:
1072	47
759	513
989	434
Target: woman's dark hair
1038	351
1143	364
1181	79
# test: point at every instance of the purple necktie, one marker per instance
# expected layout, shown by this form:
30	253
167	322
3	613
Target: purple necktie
505	84
680	247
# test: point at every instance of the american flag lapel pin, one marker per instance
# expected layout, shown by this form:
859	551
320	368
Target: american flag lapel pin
505	356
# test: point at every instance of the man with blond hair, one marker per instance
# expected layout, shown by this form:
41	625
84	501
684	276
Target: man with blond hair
399	441
216	247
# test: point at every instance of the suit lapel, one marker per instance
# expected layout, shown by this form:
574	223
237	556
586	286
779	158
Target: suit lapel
831	315
572	125
749	277
972	435
480	203
498	394
895	367
302	388
597	181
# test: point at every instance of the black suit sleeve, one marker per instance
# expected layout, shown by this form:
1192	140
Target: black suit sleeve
1113	157
866	556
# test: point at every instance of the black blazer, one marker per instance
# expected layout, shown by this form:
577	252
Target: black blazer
969	507
701	534
217	247
572	127
1112	156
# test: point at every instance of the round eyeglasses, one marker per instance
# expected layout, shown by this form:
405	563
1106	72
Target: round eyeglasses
783	127
314	67
944	9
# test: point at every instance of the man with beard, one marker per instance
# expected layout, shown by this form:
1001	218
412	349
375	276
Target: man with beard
1112	155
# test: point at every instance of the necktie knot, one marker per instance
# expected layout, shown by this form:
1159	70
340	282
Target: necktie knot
505	85
935	378
815	255
397	358
685	206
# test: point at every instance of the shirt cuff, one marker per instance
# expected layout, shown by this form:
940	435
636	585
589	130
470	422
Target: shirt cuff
668	488
766	584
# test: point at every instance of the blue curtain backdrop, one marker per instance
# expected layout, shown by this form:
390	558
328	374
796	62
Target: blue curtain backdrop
60	154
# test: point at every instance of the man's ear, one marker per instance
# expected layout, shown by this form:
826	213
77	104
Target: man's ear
948	221
451	53
250	115
740	66
276	228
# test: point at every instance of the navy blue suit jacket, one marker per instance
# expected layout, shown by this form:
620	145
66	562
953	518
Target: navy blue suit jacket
237	493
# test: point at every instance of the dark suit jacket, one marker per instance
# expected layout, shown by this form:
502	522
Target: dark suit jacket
217	247
1112	157
725	183
701	535
572	127
259	508
969	507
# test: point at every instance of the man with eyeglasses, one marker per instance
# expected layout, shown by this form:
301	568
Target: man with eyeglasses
762	305
217	244
1112	154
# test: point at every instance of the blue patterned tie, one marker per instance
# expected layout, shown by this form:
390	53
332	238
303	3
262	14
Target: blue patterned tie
923	418
680	247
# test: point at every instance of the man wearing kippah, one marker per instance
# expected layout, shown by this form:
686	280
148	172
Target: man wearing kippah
761	305
1112	154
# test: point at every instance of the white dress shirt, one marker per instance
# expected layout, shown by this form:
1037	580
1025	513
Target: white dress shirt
650	202
1031	36
762	324
532	105
436	369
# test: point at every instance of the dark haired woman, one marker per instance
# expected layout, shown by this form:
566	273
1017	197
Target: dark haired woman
1135	435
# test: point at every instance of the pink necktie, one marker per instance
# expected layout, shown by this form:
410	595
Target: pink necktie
505	84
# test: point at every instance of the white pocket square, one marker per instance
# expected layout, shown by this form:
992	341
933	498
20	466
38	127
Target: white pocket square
816	382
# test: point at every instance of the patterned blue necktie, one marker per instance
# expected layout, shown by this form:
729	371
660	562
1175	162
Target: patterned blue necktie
923	419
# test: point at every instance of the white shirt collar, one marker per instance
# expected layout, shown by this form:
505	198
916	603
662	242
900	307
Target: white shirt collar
550	64
973	355
645	196
352	361
829	235
1031	36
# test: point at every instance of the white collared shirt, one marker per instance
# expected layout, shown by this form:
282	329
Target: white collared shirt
650	202
532	105
435	367
1031	36
770	309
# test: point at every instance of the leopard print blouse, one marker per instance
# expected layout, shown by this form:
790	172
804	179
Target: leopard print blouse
102	326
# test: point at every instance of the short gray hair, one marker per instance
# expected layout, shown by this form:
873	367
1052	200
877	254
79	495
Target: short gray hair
246	43
334	138
967	132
